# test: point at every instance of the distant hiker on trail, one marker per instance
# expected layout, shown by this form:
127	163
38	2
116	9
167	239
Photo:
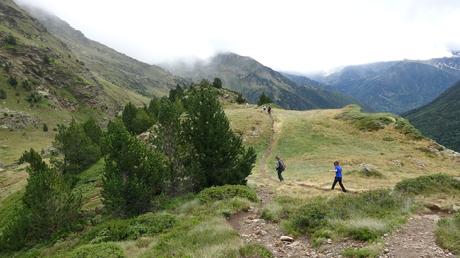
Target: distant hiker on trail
280	167
264	108
269	110
338	176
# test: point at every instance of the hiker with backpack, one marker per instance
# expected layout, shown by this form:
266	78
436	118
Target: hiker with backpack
280	167
269	109
338	176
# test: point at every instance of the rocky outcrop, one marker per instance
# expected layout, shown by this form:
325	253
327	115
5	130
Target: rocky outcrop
10	119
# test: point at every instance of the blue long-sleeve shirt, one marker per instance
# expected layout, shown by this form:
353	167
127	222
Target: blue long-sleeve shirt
338	171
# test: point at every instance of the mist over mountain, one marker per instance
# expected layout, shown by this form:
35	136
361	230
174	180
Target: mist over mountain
109	64
246	75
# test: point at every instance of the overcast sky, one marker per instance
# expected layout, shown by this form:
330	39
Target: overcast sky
289	35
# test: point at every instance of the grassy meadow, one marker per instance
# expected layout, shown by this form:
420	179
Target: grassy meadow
309	141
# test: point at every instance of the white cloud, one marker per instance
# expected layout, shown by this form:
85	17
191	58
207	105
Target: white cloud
295	35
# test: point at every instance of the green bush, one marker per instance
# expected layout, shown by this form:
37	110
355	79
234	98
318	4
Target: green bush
10	40
227	192
13	82
448	233
123	229
255	251
102	250
377	121
33	98
405	127
428	184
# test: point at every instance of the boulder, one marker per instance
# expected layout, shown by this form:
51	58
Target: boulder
286	239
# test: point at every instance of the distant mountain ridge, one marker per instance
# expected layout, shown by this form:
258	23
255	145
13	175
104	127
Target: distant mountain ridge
396	86
440	119
251	78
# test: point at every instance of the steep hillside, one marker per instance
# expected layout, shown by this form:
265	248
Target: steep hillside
441	118
251	78
107	63
396	86
43	82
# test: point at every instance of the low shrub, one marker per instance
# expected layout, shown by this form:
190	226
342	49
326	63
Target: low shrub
448	233
377	121
428	184
102	250
365	216
227	192
123	229
255	251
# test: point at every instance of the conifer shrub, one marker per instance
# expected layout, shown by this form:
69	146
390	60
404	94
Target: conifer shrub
220	153
133	175
50	207
79	150
264	99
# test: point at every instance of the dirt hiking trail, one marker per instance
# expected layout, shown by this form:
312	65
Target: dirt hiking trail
414	239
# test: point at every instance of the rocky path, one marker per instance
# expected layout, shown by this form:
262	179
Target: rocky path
415	239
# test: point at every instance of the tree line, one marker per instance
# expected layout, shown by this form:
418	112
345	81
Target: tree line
191	147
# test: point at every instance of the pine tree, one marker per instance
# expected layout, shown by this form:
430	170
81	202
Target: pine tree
133	174
78	149
217	83
176	94
182	166
49	206
264	99
136	120
154	108
93	130
220	153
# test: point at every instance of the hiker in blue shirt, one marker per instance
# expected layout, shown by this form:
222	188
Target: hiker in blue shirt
338	176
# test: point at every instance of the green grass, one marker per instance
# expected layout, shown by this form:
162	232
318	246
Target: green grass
359	252
102	250
425	185
377	121
255	251
9	208
448	233
364	216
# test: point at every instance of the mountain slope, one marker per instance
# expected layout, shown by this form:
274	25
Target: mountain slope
109	64
42	82
396	86
251	78
441	118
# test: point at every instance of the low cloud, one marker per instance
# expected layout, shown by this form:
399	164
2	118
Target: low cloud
287	35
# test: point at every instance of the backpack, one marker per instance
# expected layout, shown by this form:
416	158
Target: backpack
281	165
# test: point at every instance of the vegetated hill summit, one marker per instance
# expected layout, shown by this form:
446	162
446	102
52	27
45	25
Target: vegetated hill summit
396	86
115	67
441	118
251	78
